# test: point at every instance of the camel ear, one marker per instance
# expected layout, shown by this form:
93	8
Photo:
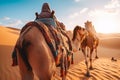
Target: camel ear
53	12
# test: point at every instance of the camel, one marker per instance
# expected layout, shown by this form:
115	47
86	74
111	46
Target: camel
85	41
91	30
35	56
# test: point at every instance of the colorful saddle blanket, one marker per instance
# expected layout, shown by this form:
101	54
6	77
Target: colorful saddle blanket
47	21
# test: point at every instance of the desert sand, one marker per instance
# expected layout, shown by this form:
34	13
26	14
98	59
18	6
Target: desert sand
104	68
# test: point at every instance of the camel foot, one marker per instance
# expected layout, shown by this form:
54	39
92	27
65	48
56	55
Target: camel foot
96	57
72	62
91	68
87	74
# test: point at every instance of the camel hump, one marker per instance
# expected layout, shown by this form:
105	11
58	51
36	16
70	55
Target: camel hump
89	27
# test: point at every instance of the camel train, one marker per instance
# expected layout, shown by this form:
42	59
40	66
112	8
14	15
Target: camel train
43	45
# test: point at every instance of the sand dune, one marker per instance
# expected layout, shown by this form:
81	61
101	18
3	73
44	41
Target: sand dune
8	36
111	42
104	68
8	39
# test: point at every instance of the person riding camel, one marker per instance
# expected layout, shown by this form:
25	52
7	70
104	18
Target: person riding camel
47	17
45	12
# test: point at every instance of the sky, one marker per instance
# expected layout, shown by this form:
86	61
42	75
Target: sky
104	14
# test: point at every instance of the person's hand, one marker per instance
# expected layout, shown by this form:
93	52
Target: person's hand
53	12
36	15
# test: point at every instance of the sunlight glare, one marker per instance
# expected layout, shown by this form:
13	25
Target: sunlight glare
105	24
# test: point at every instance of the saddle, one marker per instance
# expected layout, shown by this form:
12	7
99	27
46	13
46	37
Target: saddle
46	31
51	25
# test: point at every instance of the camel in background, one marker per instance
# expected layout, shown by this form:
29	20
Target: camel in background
85	41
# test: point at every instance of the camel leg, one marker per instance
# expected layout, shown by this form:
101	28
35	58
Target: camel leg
68	62
66	65
62	67
72	62
86	62
25	73
87	51
96	54
91	51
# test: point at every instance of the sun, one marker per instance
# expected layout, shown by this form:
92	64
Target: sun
106	23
